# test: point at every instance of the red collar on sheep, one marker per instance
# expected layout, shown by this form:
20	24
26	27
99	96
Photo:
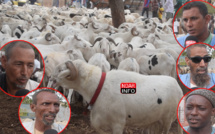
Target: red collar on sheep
98	90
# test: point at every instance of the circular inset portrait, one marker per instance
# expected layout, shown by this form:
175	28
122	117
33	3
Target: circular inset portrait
196	66
21	68
194	22
44	110
196	112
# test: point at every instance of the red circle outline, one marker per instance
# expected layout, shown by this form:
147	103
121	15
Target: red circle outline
177	13
178	63
51	89
40	56
180	103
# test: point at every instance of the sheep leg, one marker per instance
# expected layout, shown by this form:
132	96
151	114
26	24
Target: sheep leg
167	125
117	128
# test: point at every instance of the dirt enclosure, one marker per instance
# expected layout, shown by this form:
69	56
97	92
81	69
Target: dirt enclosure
79	123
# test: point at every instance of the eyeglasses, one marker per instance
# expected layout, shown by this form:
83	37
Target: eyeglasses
198	59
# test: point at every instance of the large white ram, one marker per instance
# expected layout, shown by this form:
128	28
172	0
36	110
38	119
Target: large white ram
155	101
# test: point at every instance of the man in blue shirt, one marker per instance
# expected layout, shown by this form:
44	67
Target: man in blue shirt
199	110
197	59
195	18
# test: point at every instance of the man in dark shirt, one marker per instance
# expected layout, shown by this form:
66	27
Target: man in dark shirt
18	63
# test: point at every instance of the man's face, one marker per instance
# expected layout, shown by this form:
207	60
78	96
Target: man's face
198	111
19	67
198	70
195	23
46	108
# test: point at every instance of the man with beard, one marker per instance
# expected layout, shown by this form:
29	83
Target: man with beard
18	63
45	104
197	59
199	111
195	19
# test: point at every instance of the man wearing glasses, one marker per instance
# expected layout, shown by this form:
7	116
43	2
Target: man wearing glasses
197	59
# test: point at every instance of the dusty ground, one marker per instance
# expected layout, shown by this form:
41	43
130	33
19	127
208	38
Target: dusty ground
79	124
9	120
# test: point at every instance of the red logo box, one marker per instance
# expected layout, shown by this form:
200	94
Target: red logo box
128	88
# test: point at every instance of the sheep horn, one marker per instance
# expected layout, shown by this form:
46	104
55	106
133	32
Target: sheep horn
62	22
111	40
157	36
155	24
69	51
108	27
93	25
45	20
129	45
98	39
73	70
159	27
112	53
119	54
48	36
86	25
53	28
76	37
82	24
37	28
133	30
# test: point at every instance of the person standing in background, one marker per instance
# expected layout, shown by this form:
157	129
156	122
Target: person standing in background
160	13
211	27
178	5
55	3
32	2
176	26
146	8
169	9
154	8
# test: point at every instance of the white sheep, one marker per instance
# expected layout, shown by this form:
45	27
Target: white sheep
74	43
55	58
46	39
6	30
155	101
99	59
157	64
129	64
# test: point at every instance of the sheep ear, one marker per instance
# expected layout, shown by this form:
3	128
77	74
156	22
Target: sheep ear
73	71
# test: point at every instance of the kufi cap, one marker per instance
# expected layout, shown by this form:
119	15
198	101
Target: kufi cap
210	95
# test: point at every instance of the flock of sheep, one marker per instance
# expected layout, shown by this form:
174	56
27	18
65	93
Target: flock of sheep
79	44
